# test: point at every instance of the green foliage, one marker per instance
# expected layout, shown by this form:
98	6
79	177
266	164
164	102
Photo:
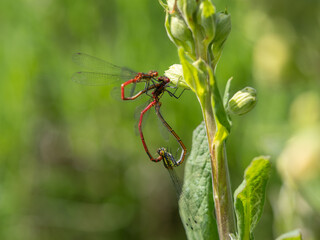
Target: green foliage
250	196
199	54
197	190
195	78
293	235
226	95
208	28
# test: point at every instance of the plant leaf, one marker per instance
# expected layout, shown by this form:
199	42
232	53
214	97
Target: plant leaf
293	235
198	205
250	195
226	95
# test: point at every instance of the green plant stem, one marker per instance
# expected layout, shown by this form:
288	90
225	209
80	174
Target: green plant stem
222	194
222	191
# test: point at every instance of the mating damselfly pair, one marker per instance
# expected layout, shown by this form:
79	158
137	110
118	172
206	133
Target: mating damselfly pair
99	72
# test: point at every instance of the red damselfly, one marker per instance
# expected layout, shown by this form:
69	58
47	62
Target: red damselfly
107	73
159	89
183	147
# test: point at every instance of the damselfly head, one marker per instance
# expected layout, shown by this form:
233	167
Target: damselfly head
162	152
167	158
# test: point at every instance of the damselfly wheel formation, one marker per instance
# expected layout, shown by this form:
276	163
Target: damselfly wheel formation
101	72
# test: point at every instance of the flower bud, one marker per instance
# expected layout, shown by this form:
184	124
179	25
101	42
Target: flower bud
179	29
187	9
223	28
175	73
242	101
206	18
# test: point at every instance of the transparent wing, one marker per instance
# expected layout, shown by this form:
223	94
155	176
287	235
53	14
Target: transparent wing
192	223
163	130
137	114
116	93
176	181
98	65
95	78
133	88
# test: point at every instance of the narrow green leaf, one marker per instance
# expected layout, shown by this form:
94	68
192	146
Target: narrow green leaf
293	235
192	76
198	206
250	195
222	122
164	5
226	95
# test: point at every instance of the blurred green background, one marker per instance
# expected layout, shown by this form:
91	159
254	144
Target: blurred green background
71	166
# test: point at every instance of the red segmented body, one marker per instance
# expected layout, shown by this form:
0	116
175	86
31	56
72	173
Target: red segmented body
160	88
138	78
183	147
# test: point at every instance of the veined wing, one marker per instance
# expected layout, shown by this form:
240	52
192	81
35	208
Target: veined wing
98	65
192	223
163	129
137	114
95	78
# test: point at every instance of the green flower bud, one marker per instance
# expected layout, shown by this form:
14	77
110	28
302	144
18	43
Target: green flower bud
187	8
242	101
206	18
179	29
223	28
176	27
175	73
